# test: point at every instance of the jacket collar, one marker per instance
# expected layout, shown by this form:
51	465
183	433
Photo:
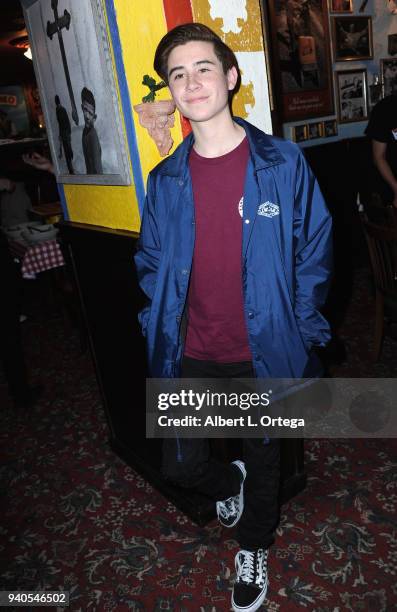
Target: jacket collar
263	151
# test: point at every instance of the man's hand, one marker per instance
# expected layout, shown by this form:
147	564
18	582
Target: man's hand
39	162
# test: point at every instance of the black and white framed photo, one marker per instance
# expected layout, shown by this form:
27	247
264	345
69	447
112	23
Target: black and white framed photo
388	75
299	133
73	66
351	89
330	128
352	38
341	6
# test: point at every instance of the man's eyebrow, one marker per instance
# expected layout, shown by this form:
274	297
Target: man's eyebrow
205	61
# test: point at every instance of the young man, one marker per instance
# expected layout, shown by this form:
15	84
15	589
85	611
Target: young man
234	256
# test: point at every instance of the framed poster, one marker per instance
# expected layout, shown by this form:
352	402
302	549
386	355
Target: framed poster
301	59
351	88
73	66
388	75
352	38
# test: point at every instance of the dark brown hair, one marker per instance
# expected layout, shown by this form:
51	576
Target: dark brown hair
188	32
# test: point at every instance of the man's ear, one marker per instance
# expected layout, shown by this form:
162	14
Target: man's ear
232	78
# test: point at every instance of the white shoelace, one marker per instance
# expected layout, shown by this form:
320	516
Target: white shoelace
245	567
226	511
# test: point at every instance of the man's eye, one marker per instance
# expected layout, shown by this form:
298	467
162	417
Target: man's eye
179	75
203	69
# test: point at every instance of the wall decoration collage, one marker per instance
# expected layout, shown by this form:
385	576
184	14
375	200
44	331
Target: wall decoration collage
303	34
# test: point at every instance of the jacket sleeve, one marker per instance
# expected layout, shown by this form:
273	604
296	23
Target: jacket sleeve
313	256
147	257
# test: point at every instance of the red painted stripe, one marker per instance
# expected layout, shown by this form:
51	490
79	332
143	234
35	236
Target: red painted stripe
176	13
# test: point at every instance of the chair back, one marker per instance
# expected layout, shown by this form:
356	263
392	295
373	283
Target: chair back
382	246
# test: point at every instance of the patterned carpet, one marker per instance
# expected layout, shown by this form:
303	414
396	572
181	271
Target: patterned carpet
75	517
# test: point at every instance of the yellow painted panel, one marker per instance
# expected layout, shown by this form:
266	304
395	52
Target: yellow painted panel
112	206
141	26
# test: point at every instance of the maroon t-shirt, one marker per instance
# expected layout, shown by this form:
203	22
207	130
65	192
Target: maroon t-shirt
216	327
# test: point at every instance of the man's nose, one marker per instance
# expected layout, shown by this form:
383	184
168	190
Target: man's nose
192	82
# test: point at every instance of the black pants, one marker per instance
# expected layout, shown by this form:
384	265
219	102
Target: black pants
188	463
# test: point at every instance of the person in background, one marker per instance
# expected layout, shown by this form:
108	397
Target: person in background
11	350
234	256
382	130
91	145
65	134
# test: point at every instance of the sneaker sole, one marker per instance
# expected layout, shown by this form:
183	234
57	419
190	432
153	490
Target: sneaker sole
255	605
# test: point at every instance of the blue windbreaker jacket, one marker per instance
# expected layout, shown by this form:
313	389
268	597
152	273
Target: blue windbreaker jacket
286	259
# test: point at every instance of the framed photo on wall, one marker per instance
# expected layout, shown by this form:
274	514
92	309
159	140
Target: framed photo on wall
73	66
388	75
301	59
299	133
330	128
352	38
341	6
351	88
315	130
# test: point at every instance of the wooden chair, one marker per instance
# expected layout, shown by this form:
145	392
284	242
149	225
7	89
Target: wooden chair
382	246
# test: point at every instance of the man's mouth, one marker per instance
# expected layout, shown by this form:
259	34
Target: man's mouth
197	100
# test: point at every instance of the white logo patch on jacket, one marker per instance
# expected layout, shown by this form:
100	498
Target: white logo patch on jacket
268	209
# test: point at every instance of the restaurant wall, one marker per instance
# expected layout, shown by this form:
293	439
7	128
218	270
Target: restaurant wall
383	24
135	28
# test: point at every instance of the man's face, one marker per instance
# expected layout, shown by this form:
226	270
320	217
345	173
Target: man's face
198	85
89	113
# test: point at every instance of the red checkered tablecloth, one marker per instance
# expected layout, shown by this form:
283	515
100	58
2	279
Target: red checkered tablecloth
37	257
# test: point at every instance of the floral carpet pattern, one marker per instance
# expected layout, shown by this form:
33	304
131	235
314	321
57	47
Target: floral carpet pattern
77	518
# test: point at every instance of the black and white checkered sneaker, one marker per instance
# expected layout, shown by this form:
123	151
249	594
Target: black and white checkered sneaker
229	511
250	588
